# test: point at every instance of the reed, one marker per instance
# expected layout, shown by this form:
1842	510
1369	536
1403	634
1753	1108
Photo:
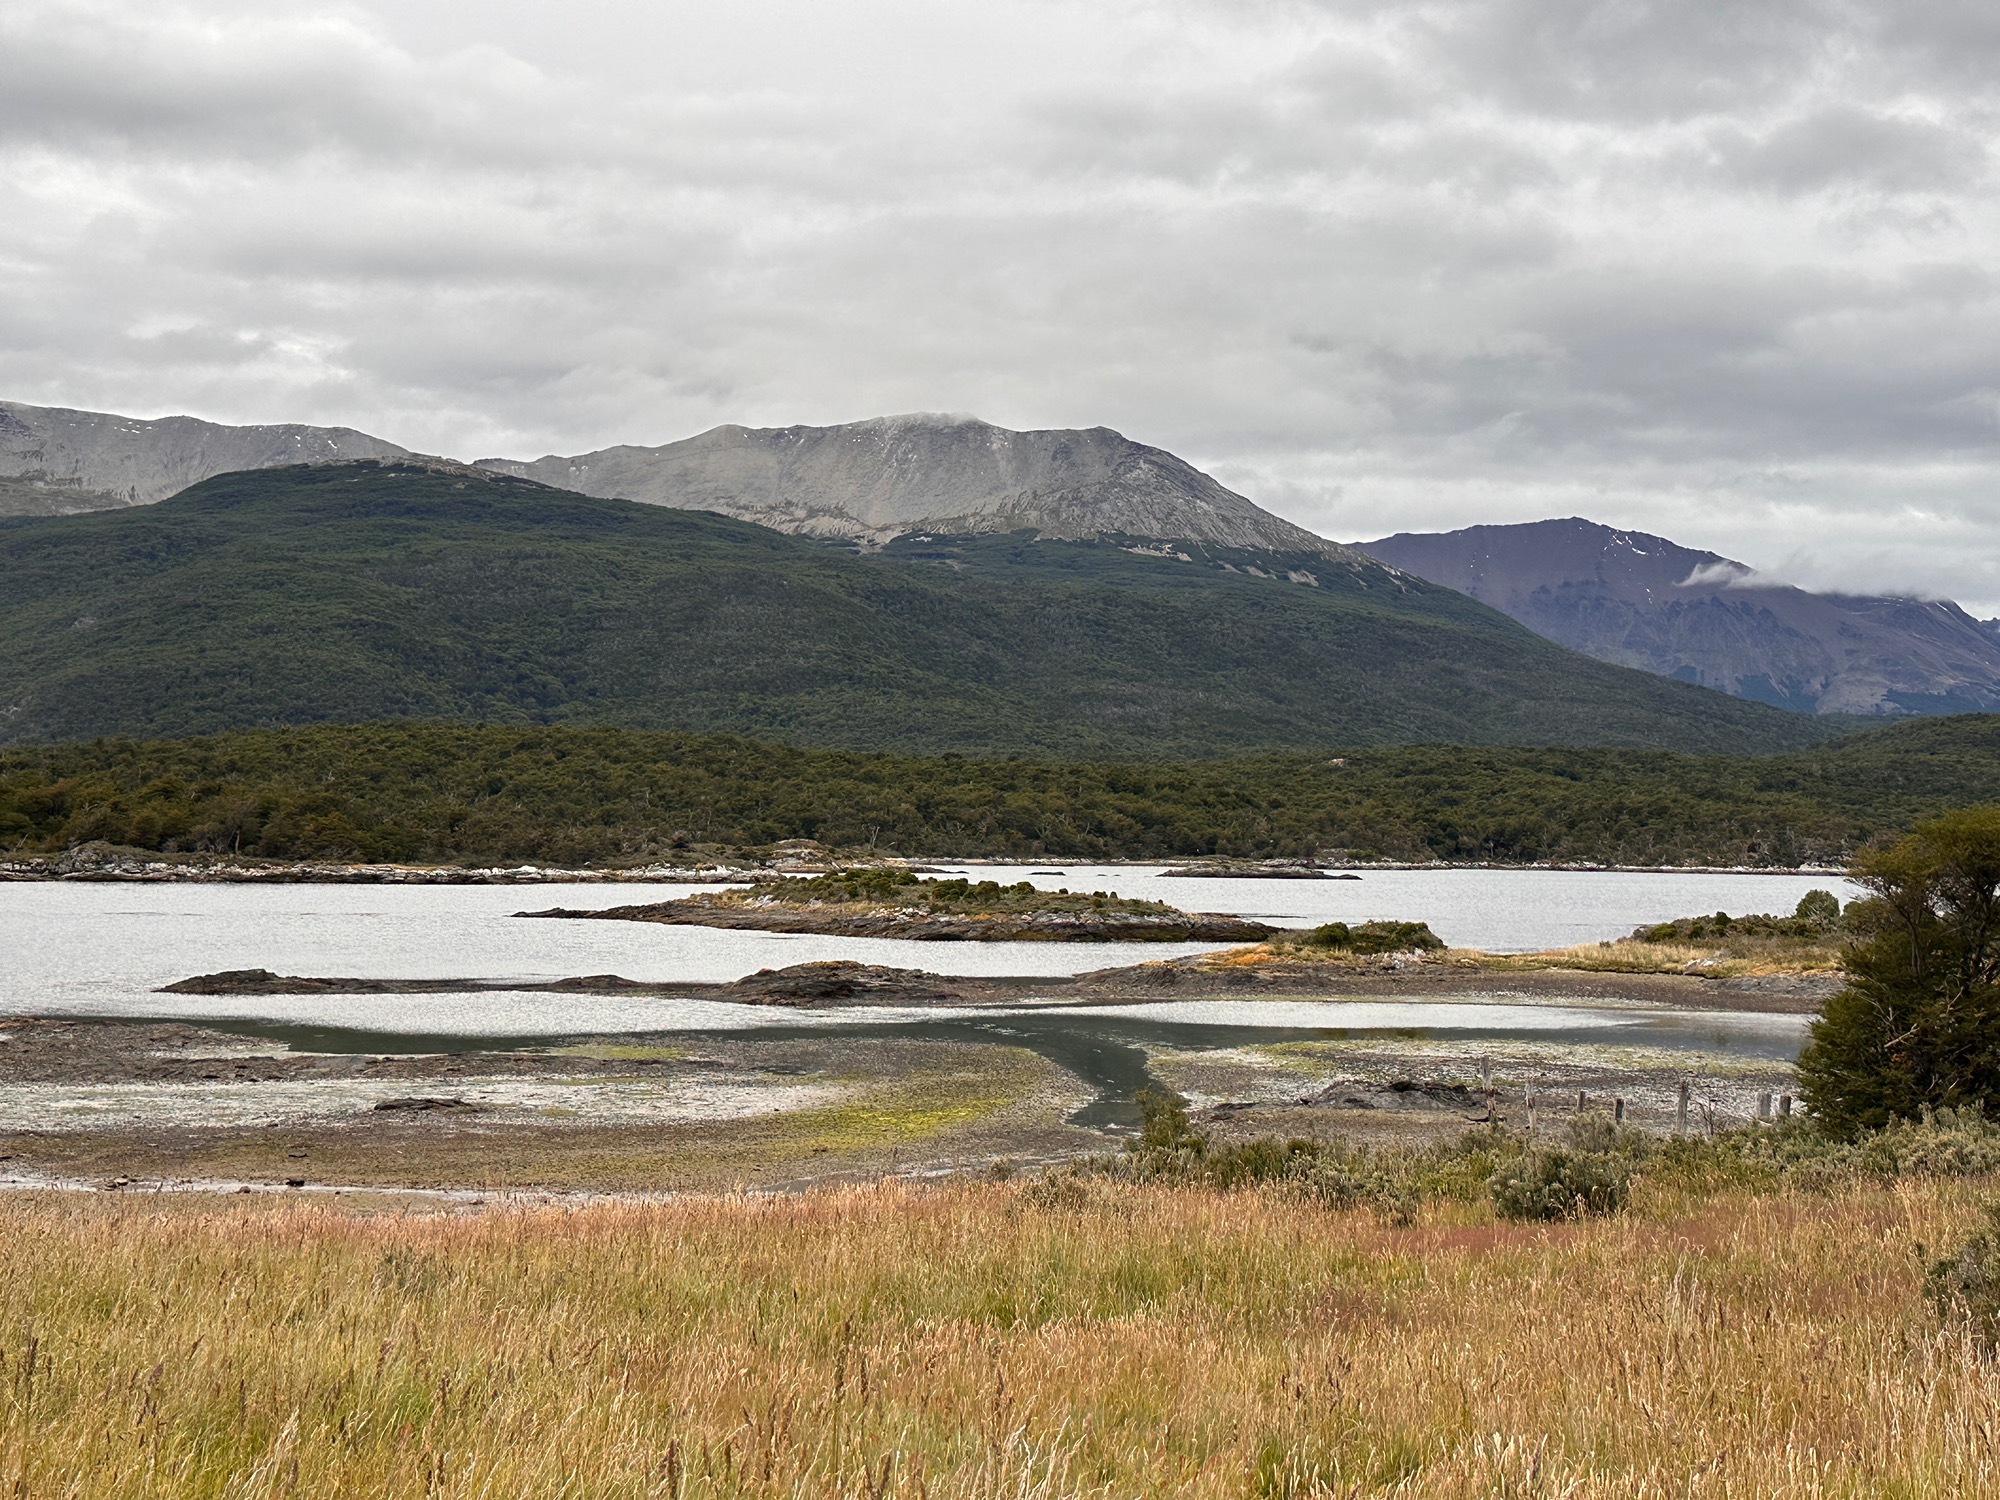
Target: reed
987	1340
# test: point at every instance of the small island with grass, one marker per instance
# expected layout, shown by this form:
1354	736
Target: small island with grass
897	903
1762	963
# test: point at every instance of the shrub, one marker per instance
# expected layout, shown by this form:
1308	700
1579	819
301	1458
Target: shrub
1805	925
1947	1143
1964	1287
1559	1184
1373	937
1163	1124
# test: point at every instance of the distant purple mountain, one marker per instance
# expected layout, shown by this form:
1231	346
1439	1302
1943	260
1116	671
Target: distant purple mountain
1643	601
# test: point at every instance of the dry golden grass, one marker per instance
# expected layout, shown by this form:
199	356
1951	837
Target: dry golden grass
1720	960
964	1341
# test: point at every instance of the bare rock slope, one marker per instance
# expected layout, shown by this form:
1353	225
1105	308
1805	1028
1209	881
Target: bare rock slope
54	461
876	480
1643	601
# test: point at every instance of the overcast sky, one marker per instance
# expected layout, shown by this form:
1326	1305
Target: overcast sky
1725	271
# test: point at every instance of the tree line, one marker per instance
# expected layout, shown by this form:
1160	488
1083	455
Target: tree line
486	794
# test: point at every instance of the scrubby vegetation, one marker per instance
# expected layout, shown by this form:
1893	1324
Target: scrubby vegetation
1586	1166
1811	940
1816	919
492	794
906	890
1964	1287
1361	939
1561	1184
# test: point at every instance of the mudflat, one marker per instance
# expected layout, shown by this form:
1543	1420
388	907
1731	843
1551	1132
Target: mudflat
842	983
976	1071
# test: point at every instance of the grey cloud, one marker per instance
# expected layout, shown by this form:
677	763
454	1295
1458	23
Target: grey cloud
1630	60
1839	145
1717	272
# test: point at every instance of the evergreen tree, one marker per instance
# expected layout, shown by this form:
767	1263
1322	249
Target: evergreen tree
1918	1025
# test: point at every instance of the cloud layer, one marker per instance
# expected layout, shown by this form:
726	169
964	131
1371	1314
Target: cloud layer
1722	273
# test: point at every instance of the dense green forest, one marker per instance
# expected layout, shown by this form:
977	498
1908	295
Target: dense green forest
504	794
365	592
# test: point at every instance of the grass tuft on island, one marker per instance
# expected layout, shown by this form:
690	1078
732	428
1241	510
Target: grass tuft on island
957	896
896	902
1720	946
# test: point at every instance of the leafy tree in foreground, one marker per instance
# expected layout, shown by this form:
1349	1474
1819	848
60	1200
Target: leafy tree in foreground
1918	1026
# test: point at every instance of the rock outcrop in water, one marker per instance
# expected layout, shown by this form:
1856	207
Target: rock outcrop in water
925	927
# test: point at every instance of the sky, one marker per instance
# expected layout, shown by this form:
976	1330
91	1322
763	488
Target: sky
1725	272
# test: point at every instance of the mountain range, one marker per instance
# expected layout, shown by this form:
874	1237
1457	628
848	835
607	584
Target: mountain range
1643	601
1618	596
397	589
54	461
873	481
862	481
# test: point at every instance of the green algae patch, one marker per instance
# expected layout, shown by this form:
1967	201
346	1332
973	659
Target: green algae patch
916	1108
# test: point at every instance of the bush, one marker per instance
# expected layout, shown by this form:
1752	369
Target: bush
1373	937
1964	1287
1163	1125
1558	1184
1810	923
1591	1172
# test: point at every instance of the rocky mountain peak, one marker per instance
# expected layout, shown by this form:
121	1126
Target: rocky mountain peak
885	477
1644	601
57	461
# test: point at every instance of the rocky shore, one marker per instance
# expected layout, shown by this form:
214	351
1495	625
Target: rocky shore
862	920
833	983
1269	870
140	870
842	983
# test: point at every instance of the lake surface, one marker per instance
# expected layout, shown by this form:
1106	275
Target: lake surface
1502	911
82	948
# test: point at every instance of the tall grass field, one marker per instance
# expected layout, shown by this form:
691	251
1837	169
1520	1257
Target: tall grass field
990	1339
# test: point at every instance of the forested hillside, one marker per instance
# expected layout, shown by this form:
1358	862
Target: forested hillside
375	591
492	794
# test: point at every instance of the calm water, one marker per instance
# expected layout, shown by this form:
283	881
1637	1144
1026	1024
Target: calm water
1502	911
71	948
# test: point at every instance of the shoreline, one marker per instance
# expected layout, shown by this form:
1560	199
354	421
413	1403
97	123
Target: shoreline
860	919
955	1071
50	870
844	984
